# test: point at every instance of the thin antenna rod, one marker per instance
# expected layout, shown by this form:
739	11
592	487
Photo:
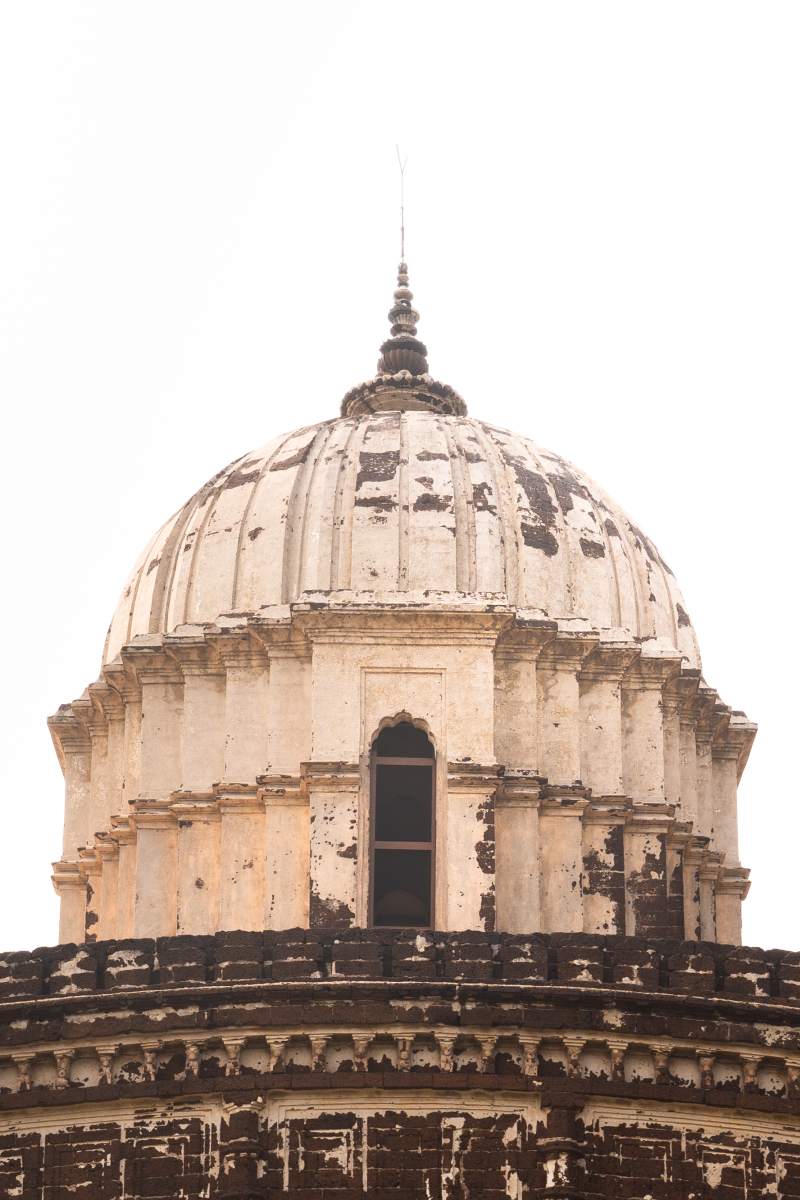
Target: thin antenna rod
401	162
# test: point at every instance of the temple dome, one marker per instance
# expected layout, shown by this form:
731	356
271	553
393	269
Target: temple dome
403	506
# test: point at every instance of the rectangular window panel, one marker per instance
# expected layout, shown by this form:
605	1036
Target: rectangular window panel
403	804
402	887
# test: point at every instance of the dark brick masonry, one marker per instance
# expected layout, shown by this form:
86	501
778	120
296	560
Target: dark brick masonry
469	1065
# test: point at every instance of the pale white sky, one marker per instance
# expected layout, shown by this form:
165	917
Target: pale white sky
197	250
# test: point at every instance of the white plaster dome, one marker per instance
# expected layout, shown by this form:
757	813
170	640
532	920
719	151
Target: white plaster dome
403	506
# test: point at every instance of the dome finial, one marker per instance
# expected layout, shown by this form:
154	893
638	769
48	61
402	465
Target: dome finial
403	351
402	382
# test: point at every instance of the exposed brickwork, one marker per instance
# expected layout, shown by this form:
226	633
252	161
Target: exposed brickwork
297	954
401	1150
247	1066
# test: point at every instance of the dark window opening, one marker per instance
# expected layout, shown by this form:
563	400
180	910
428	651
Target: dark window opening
403	741
401	882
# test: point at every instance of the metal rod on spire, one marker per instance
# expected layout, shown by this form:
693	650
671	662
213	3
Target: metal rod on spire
401	162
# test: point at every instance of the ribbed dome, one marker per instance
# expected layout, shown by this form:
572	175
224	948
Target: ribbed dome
403	507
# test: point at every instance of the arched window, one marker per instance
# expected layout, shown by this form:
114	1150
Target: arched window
401	879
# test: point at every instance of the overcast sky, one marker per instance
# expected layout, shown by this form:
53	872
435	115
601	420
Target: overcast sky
198	239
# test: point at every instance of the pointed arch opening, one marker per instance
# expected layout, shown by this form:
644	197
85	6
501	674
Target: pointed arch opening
402	778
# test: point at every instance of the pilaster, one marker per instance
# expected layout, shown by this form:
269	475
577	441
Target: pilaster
242	857
601	715
693	857
198	861
731	742
289	707
203	711
124	834
91	869
670	709
561	840
107	853
287	866
703	736
732	886
516	741
74	747
687	685
333	792
470	853
121	676
646	906
99	808
558	694
70	886
156	900
603	852
708	874
643	724
111	709
247	682
161	682
517	850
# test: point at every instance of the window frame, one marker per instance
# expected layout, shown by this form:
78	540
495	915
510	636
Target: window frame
375	761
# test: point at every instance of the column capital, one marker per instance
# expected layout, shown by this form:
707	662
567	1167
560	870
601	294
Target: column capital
186	805
568	649
329	776
91	712
609	661
705	704
67	875
152	814
107	701
563	802
105	848
238	648
652	670
122	831
151	662
680	836
519	789
193	653
720	720
473	777
122	678
733	881
696	850
239	798
710	866
69	731
651	818
687	684
525	638
90	863
607	810
735	740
